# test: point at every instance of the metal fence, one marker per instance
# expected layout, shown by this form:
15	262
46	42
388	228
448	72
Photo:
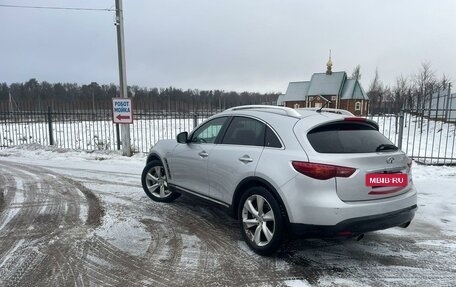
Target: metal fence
421	132
426	140
70	125
425	129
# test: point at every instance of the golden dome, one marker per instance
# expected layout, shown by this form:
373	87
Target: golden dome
329	63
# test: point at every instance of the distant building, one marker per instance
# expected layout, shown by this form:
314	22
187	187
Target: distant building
439	106
330	89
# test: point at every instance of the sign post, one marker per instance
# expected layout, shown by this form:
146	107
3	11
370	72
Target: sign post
122	111
126	143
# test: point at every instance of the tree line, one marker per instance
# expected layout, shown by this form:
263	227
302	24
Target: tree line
40	95
408	92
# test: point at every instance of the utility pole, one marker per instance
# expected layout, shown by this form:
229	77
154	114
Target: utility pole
125	128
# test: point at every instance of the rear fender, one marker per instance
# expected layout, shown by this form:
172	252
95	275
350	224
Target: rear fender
255	181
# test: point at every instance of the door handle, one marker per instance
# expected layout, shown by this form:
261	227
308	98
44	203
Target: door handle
245	159
203	154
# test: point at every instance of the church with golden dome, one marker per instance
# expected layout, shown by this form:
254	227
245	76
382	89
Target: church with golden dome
329	90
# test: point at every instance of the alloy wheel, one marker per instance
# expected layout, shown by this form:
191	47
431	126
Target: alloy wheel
157	183
258	220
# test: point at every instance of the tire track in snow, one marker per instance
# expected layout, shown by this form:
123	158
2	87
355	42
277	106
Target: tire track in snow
39	224
192	243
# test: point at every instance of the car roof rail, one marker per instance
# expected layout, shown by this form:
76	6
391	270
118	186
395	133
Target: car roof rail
329	110
272	109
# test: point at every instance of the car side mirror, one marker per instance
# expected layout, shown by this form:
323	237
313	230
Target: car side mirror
182	137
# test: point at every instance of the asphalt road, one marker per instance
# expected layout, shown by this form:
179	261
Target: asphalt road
76	227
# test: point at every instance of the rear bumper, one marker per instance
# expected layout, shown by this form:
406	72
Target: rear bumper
317	203
357	225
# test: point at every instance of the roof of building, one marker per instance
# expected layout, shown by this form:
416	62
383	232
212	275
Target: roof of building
353	90
440	100
443	106
297	91
326	84
322	84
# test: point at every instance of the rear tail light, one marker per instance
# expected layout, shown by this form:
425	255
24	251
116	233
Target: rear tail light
322	171
344	233
354	119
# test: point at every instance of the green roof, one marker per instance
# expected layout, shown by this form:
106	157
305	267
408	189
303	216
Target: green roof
324	84
353	90
335	84
297	91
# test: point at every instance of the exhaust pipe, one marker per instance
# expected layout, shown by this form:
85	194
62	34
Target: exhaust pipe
405	225
361	236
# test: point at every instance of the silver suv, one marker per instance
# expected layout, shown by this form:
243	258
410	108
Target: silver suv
281	170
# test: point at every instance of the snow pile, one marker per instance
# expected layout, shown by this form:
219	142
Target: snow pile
436	196
37	151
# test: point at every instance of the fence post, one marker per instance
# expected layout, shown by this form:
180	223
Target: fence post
49	118
118	136
396	120
195	120
401	129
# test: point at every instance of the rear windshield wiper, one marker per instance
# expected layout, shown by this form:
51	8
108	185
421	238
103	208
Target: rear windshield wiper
386	147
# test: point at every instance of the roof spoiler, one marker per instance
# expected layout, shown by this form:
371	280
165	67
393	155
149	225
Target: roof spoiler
362	120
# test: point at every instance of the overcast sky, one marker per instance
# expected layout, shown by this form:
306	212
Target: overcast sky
253	45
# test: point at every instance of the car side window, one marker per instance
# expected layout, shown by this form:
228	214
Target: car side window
271	140
245	131
208	132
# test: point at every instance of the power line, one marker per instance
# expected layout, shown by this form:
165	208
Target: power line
56	8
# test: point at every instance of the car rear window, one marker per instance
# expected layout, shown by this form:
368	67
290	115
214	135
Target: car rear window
349	138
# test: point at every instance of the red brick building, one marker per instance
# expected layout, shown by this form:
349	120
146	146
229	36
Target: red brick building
330	89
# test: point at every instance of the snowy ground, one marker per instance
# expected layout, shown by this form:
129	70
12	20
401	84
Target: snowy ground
81	218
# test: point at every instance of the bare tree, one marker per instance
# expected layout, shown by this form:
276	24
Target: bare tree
401	92
425	84
443	82
376	93
356	74
388	100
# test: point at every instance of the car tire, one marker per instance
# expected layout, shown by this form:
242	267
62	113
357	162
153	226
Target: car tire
155	184
261	220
